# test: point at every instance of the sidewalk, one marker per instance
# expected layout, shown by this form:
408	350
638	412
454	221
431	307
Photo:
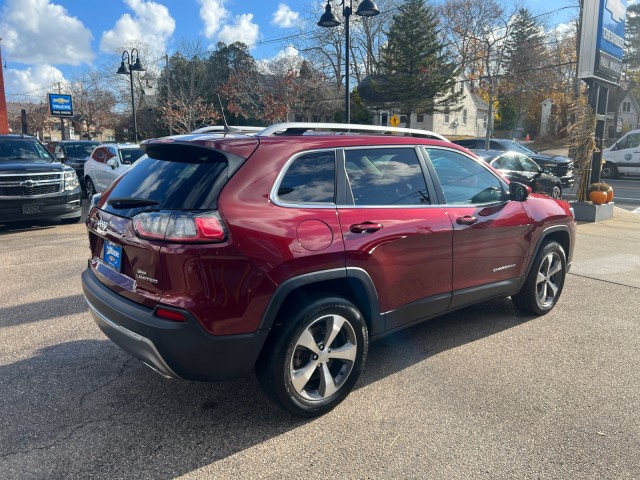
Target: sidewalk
609	250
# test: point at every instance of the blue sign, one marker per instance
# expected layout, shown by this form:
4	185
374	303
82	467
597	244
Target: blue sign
610	43
60	105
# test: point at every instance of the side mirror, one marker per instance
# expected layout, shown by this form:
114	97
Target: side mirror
518	192
113	163
60	156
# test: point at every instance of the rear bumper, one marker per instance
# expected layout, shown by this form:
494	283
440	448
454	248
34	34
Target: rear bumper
56	207
174	349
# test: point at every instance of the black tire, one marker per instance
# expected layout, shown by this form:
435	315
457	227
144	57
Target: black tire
90	188
543	285
70	221
609	170
307	368
556	191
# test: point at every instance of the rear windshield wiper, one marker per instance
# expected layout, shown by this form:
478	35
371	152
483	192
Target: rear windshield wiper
130	202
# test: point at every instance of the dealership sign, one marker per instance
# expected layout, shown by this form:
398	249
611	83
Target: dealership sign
602	40
60	105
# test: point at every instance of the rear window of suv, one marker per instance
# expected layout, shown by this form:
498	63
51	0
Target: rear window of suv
192	184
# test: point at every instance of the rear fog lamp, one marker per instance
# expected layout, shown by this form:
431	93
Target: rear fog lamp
170	315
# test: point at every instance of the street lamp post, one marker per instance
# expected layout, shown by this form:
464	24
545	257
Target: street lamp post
367	8
128	69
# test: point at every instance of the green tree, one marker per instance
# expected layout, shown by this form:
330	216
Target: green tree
525	54
415	72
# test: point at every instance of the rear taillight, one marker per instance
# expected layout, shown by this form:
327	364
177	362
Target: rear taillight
180	227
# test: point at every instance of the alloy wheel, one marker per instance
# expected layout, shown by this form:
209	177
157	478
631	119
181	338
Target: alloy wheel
549	279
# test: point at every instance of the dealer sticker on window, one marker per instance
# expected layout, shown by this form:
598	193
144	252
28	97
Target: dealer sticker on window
112	255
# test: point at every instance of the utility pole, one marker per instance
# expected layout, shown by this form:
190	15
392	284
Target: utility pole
63	135
166	58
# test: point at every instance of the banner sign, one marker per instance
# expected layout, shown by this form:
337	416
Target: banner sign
602	40
60	105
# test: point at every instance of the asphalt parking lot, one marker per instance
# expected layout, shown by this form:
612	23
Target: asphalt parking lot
484	393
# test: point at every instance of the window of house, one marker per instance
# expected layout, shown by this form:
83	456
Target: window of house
403	119
309	179
626	106
484	122
384	119
446	116
464	116
420	118
386	176
465	182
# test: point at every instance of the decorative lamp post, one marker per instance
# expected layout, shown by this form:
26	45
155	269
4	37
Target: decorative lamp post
367	8
128	69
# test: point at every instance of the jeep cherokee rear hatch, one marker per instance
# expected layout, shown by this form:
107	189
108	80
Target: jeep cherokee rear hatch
166	201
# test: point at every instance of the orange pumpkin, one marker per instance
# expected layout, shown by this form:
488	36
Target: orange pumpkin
609	194
598	197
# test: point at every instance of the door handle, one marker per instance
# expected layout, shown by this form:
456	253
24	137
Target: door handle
466	220
365	227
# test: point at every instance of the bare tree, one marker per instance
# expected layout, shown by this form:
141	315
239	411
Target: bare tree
93	102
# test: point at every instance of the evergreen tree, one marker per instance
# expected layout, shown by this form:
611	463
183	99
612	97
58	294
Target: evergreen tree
525	53
415	73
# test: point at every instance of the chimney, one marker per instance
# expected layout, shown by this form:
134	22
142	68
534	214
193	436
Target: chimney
4	118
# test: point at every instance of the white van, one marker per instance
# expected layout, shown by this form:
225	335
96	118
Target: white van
623	156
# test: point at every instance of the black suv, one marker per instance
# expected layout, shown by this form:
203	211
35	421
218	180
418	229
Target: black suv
33	185
561	167
74	153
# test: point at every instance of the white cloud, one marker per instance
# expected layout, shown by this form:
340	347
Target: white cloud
37	31
151	24
32	84
212	13
284	17
242	30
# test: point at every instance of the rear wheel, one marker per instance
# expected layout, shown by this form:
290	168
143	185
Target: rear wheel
609	170
544	283
316	357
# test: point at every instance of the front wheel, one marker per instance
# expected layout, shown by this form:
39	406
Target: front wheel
544	283
89	188
316	357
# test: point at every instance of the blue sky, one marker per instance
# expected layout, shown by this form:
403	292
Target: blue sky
48	40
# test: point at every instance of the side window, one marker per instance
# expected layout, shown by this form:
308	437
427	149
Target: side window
311	178
633	140
386	176
98	155
464	181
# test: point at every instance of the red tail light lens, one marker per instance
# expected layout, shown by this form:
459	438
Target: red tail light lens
180	227
170	315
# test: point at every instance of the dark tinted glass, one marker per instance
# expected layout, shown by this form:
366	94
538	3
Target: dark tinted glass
310	179
23	150
172	185
130	155
386	176
465	181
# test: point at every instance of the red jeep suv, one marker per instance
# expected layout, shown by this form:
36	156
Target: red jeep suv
286	251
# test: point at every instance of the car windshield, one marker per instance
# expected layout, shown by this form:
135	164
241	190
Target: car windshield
130	155
80	150
23	150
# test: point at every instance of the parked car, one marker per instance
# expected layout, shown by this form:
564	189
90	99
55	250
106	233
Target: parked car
558	165
73	153
33	185
623	157
517	167
106	163
287	251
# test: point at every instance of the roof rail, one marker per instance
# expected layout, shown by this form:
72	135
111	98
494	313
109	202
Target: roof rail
231	129
299	128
